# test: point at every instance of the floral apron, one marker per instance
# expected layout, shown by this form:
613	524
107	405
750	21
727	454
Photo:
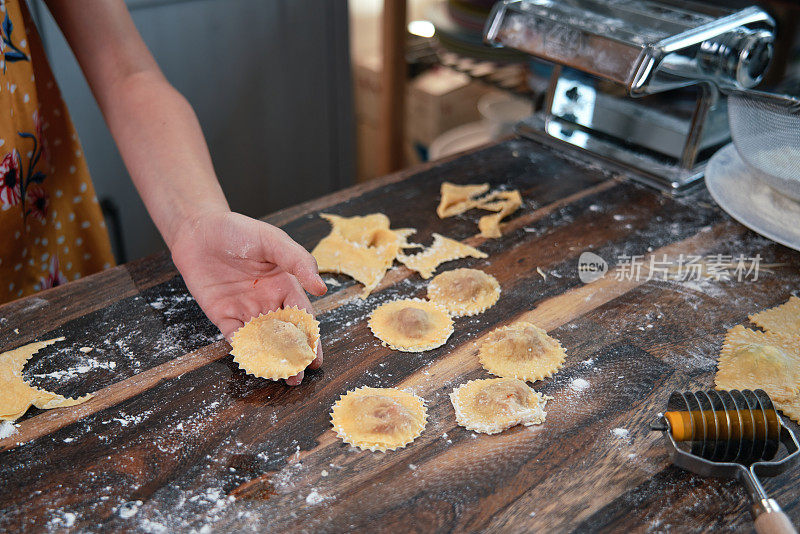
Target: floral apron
51	227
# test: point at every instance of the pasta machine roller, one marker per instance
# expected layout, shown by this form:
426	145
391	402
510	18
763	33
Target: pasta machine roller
732	434
637	83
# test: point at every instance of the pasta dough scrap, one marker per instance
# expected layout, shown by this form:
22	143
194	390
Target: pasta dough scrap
277	344
379	419
401	236
489	225
790	408
441	251
411	325
367	265
363	248
457	199
464	291
361	230
752	360
523	351
16	395
783	319
492	405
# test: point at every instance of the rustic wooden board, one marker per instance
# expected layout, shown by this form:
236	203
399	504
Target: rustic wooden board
178	438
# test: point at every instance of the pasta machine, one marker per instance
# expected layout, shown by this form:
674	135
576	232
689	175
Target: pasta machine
637	83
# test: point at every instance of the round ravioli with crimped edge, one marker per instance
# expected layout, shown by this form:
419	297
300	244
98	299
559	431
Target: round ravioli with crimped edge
278	344
411	325
379	419
765	360
491	405
464	292
521	350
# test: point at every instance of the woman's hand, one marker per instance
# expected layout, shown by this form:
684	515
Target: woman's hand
237	267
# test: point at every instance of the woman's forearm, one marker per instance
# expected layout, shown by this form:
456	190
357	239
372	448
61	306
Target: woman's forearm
164	150
154	127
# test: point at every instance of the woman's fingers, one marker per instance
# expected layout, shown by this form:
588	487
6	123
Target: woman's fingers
228	326
280	249
297	297
317	363
296	379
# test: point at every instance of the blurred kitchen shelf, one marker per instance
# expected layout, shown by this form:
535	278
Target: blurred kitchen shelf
513	77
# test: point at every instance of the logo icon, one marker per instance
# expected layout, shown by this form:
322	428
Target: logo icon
591	267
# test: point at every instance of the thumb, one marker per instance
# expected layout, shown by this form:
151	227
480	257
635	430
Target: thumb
283	251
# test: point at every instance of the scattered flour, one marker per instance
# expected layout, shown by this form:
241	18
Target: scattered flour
621	433
128	509
153	527
73	372
61	521
170	304
7	428
578	384
314	497
127	419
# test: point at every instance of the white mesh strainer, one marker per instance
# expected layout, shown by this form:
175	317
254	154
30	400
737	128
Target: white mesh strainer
765	129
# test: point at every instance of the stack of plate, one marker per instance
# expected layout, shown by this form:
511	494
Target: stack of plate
742	192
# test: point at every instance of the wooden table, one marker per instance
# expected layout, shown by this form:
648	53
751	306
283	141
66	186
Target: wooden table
178	438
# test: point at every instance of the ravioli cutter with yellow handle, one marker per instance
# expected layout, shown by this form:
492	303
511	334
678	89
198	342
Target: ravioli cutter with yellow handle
732	434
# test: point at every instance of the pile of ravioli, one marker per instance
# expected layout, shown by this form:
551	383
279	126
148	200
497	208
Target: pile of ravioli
417	325
380	419
280	344
767	359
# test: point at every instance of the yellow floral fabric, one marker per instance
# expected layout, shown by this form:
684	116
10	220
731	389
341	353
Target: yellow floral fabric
51	227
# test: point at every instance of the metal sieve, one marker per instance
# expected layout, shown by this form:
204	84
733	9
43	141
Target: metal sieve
765	129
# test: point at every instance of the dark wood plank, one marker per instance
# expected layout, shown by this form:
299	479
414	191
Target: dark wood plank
21	320
180	428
